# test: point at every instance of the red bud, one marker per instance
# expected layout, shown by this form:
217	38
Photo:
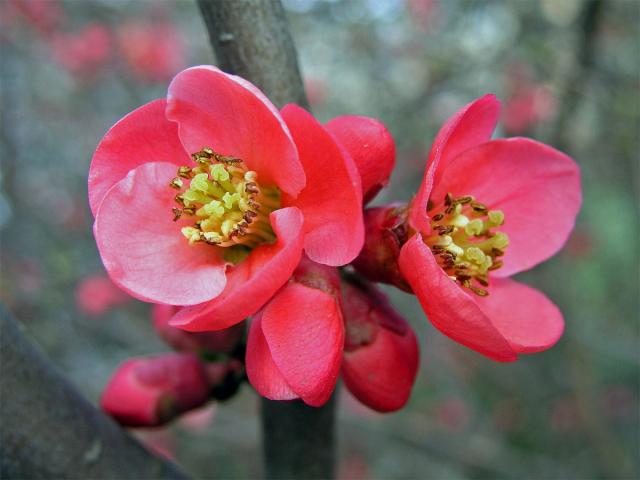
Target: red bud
371	147
385	233
151	391
381	353
218	341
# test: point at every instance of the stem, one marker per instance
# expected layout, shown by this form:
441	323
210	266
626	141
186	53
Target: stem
50	431
251	38
298	440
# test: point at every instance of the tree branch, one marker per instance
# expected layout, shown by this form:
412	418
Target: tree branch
50	431
251	38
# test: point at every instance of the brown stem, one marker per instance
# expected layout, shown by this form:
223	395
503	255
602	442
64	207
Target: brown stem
251	38
50	431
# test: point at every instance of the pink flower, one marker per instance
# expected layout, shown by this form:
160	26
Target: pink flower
43	15
528	102
487	209
96	294
153	51
219	341
371	147
151	391
381	355
207	199
84	52
295	343
298	343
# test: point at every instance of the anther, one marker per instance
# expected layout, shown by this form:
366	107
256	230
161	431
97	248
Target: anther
438	217
463	200
445	230
478	207
448	199
185	172
176	183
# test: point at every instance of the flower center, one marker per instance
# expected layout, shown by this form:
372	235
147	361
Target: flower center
226	202
463	242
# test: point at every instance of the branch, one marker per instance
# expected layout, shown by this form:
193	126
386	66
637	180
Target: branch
50	431
251	38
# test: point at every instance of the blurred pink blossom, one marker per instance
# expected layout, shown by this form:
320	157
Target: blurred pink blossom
96	294
424	13
199	420
528	102
153	51
452	414
43	15
84	52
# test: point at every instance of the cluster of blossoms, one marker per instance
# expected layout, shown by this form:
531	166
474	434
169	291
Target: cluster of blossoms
151	48
222	208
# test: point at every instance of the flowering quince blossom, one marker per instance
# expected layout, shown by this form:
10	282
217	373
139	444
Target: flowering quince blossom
381	355
486	209
207	199
151	391
96	294
154	51
299	342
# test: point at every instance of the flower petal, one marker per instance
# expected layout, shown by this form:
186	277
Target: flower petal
452	311
468	127
143	136
230	115
332	199
381	350
252	282
371	147
525	316
305	333
142	247
536	186
263	373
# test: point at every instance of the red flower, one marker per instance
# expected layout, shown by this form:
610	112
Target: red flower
151	391
381	353
97	294
295	343
208	199
153	51
84	52
219	341
371	147
298	343
488	209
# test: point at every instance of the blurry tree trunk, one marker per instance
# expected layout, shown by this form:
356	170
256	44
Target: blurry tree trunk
251	38
48	430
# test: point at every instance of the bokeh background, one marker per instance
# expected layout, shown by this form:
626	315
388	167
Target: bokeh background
568	72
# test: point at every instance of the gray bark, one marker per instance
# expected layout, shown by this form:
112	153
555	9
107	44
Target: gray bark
48	430
251	38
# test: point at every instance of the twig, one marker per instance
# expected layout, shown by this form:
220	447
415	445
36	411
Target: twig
50	431
251	38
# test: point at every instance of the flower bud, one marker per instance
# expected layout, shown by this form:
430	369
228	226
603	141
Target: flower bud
371	147
381	353
385	233
218	341
153	390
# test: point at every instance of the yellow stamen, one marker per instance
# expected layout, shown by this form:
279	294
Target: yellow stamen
230	207
463	241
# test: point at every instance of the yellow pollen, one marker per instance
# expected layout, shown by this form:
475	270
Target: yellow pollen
463	242
228	206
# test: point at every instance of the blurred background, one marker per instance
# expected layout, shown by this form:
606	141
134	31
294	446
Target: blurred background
568	73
